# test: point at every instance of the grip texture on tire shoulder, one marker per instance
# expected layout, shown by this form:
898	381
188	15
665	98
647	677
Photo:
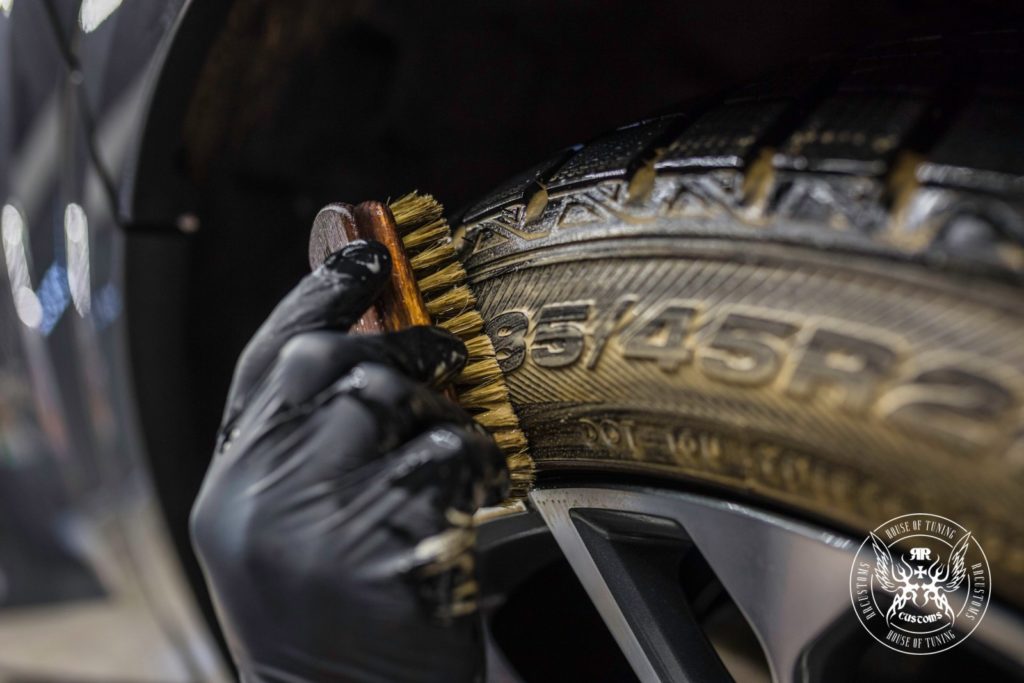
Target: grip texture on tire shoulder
912	150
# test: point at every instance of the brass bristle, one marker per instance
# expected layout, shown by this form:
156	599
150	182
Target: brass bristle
521	465
431	232
510	439
479	372
432	257
464	324
449	276
499	417
484	395
479	347
465	590
450	302
413	210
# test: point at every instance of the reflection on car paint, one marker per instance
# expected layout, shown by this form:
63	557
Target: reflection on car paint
95	12
88	584
26	303
76	233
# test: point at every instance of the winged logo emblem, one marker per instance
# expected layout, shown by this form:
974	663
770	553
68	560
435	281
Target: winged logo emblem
917	585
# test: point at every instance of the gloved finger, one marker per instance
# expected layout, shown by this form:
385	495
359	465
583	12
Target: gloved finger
450	467
419	511
460	464
312	362
395	407
332	297
368	413
389	506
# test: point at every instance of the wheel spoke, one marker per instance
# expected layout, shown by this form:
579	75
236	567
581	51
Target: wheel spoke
554	507
638	557
789	581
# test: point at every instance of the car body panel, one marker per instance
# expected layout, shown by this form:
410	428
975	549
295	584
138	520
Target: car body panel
90	587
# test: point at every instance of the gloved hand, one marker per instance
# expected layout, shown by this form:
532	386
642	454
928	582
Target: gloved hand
332	525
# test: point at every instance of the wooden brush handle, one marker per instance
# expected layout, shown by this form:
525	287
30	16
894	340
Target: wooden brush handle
400	304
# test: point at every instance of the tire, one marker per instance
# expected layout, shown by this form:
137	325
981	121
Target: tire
807	291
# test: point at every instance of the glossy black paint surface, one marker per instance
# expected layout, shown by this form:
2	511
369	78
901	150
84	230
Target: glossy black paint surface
85	567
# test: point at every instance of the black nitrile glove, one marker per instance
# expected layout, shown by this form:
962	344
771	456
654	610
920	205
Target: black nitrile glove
333	522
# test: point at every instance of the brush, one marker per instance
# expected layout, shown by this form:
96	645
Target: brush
430	286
